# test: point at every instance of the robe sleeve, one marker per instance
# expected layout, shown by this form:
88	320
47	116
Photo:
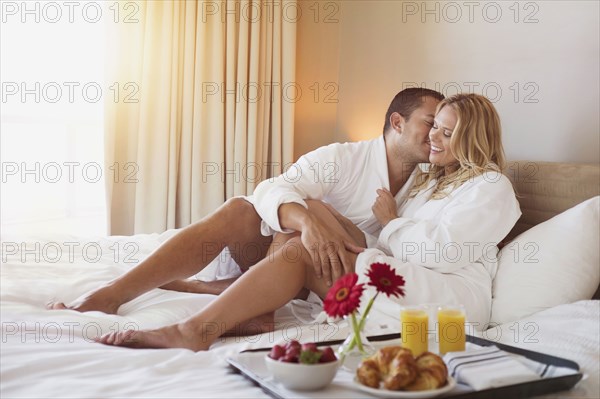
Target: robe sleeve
475	219
313	176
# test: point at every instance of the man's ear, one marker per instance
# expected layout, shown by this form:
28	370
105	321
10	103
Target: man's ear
397	122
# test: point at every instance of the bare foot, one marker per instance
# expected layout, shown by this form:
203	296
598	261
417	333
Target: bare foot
101	300
173	336
183	335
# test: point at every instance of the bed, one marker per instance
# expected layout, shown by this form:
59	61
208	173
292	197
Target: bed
50	353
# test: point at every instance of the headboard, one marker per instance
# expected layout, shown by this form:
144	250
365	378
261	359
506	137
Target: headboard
545	189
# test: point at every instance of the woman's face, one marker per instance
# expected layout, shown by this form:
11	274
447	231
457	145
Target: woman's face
439	136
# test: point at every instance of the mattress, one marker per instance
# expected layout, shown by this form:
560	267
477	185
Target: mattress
51	353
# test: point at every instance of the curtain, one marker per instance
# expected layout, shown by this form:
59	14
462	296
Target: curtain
201	107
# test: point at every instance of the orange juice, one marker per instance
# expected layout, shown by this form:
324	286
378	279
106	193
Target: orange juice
414	322
451	329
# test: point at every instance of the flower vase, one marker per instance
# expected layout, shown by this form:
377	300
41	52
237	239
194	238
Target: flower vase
355	348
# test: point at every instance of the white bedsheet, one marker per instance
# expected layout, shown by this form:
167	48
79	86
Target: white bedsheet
50	353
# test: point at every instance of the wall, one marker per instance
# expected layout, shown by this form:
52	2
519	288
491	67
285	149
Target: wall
538	61
317	73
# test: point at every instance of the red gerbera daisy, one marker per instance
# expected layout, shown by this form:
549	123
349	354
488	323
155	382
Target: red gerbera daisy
343	297
385	279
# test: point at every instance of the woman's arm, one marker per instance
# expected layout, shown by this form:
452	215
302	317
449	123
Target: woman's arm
475	219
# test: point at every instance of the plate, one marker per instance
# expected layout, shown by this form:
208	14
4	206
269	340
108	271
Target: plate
385	393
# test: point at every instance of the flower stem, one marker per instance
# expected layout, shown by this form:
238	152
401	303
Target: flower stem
357	339
361	325
363	318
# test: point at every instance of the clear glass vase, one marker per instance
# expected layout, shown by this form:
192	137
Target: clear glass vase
355	348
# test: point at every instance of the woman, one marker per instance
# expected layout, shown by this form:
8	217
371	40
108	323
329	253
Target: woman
443	241
459	210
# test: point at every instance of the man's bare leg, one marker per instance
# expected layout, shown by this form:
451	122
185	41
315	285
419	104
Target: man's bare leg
218	286
215	287
186	254
200	287
264	288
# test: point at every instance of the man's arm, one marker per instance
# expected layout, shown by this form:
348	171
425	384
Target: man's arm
305	179
281	204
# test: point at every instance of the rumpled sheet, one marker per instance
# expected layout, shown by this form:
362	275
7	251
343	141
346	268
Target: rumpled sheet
51	354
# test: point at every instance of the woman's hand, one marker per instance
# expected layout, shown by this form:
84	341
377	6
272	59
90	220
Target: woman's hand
384	207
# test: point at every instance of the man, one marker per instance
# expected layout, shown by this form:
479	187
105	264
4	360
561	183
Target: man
349	177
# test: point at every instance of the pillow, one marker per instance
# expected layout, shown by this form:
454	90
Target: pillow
550	264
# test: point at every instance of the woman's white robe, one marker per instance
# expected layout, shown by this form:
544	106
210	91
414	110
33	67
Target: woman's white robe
446	249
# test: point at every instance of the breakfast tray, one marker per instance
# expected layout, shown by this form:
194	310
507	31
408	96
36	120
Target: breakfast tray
251	364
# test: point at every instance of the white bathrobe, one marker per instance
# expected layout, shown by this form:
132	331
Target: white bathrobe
445	249
344	175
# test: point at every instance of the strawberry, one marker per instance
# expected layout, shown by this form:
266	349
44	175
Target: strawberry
292	354
327	356
288	359
292	344
310	346
277	352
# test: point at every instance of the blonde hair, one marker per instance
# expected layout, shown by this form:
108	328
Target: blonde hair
476	143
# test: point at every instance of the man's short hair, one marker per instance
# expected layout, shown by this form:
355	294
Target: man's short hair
407	101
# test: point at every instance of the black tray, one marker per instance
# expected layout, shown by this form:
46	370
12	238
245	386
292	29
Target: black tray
523	390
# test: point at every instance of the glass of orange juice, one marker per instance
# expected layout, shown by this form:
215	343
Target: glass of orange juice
451	328
414	321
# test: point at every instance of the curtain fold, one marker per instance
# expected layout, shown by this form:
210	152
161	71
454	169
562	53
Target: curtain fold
200	116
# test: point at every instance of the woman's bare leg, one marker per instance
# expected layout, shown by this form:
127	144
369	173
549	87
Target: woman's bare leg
186	254
264	288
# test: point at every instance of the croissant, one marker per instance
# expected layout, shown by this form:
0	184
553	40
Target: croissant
368	373
393	365
432	374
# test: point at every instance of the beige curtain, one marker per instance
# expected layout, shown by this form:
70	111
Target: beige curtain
202	107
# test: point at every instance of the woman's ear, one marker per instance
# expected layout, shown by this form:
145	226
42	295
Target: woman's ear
397	122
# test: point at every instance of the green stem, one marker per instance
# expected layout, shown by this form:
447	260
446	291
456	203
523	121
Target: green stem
361	325
356	334
363	318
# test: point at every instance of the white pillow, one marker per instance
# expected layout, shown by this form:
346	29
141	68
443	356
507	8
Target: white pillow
550	264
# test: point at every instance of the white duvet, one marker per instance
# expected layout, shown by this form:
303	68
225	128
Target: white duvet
50	353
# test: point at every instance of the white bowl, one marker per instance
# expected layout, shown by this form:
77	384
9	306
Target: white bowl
305	377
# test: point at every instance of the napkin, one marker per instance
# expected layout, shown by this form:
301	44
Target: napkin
488	367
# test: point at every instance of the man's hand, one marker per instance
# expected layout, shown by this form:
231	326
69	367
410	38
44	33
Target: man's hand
355	249
384	208
324	241
327	249
356	233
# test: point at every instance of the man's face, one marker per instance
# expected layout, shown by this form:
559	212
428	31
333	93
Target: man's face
414	138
